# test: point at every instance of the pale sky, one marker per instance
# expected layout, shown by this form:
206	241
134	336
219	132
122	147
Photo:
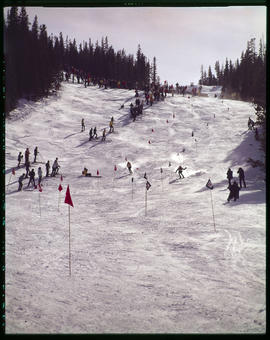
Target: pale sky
181	38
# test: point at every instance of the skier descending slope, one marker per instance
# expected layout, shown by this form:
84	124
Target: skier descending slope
180	171
129	167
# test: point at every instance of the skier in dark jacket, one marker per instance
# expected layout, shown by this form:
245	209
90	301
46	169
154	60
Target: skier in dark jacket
47	168
20	182
83	126
32	177
90	134
27	167
95	132
20	156
129	167
35	153
234	191
26	155
229	175
104	135
241	177
180	171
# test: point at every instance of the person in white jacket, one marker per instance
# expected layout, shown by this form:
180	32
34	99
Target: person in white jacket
39	175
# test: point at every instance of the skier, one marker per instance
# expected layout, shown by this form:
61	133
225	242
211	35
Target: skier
47	168
95	132
55	167
35	153
27	167
32	177
20	182
104	135
90	134
111	126
229	175
26	155
234	191
129	167
85	173
83	126
39	175
180	171
20	156
241	177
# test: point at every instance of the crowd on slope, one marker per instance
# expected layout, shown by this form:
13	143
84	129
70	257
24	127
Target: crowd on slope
31	173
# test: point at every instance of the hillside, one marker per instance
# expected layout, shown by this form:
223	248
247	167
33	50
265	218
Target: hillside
164	270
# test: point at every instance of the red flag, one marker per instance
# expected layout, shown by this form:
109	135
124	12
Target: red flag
68	199
97	172
115	168
61	178
13	171
60	187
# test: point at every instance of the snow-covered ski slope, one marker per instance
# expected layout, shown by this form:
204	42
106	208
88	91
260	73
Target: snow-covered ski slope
160	270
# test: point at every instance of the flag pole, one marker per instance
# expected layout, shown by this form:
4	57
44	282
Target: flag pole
39	204
69	241
145	202
132	187
58	199
213	211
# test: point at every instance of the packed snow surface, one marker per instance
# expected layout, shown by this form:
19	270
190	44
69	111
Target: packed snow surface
164	267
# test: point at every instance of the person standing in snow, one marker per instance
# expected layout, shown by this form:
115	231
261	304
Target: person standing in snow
47	168
95	132
55	167
111	126
35	154
26	155
90	134
83	126
21	182
234	191
229	175
27	167
39	175
129	167
180	171
32	177
20	156
241	177
104	135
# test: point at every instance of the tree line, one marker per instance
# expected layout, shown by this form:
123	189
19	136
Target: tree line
245	80
34	61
